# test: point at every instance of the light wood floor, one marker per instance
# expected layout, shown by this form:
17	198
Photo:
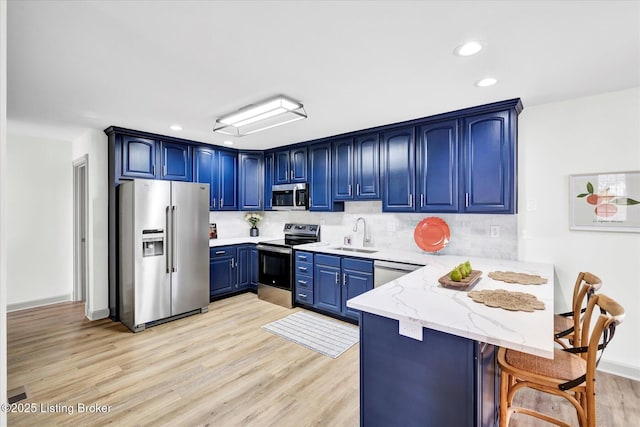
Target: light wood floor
219	369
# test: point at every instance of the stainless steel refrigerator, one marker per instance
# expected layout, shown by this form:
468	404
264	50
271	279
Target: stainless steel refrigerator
163	251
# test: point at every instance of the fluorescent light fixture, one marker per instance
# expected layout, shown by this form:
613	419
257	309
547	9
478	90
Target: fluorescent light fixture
175	127
489	81
227	142
468	49
263	115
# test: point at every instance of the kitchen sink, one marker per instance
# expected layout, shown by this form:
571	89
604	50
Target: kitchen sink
360	250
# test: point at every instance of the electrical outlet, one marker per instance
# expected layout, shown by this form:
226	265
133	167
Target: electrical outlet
411	329
531	205
494	231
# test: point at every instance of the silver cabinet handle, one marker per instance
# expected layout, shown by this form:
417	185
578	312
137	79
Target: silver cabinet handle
337	278
302	268
164	169
410	201
291	174
220	252
422	200
349	186
153	170
357	189
302	295
221	202
466	200
302	282
302	257
344	279
214	203
233	263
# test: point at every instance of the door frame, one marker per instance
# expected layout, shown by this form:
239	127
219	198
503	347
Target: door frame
81	211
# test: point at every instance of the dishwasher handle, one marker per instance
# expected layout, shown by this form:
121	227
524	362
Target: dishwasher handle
396	266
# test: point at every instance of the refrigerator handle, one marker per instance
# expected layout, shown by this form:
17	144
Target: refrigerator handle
174	238
167	245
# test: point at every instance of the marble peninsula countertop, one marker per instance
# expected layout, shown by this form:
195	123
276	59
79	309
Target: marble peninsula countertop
418	300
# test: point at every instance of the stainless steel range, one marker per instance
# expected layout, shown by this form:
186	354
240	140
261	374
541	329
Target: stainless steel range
275	276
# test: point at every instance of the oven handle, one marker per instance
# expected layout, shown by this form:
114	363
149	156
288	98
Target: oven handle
266	248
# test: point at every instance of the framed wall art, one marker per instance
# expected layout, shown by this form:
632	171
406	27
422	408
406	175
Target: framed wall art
605	201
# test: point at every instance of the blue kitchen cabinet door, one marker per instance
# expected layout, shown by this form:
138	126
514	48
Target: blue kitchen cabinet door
228	181
343	164
357	278
366	168
251	181
320	177
398	170
205	170
437	161
489	161
244	267
269	179
139	157
223	275
254	268
291	165
176	161
327	283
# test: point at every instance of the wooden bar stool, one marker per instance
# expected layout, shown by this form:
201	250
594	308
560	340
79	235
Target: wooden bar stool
563	328
570	374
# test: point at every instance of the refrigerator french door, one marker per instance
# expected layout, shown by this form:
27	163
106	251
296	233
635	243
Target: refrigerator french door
163	251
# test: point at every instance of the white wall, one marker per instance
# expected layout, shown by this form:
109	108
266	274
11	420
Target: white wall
39	224
593	134
3	199
94	144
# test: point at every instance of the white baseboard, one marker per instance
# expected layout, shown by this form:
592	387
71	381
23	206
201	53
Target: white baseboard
38	303
98	314
620	369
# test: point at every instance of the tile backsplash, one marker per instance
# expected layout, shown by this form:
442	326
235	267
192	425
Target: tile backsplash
470	233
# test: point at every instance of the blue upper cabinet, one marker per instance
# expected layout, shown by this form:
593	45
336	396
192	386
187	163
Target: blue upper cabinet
205	169
176	161
367	167
291	165
228	181
320	196
437	167
489	160
343	169
269	178
139	157
251	181
398	170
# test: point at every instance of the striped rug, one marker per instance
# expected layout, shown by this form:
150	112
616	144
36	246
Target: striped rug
319	333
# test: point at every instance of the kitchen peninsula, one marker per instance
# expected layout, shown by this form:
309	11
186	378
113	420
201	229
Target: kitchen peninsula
427	353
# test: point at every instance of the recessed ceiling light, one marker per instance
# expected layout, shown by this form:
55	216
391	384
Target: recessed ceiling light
489	81
468	49
228	142
175	127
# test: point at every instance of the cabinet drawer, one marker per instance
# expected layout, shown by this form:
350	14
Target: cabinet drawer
304	256
222	251
304	296
331	260
304	283
305	268
363	265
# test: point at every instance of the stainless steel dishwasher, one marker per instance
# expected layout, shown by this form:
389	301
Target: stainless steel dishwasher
386	271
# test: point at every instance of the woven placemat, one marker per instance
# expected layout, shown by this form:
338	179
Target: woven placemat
513	301
522	278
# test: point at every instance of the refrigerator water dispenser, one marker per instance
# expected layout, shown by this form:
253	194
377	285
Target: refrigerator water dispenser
152	243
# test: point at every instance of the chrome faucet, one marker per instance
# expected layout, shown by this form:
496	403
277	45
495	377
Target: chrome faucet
365	238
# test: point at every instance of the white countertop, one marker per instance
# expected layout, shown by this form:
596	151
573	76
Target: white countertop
240	240
419	299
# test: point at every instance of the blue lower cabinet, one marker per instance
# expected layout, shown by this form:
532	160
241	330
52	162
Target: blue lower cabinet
337	279
443	380
244	267
303	278
223	276
253	273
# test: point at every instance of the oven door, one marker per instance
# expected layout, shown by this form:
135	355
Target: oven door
274	265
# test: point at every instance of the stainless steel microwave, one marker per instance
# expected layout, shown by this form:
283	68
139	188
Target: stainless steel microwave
290	197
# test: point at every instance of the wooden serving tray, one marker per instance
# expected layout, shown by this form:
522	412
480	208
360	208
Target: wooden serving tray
468	281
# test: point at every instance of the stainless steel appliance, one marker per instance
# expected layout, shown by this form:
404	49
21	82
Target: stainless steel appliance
386	271
275	263
163	251
290	197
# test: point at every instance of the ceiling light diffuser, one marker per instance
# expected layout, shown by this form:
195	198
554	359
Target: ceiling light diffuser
175	127
468	49
489	81
260	116
227	142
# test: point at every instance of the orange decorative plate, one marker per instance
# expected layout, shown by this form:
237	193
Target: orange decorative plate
432	234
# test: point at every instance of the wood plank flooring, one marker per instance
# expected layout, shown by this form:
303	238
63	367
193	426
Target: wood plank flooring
218	368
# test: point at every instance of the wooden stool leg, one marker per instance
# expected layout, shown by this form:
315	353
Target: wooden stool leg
505	383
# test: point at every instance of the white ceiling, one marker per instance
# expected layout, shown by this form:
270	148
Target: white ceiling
148	64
